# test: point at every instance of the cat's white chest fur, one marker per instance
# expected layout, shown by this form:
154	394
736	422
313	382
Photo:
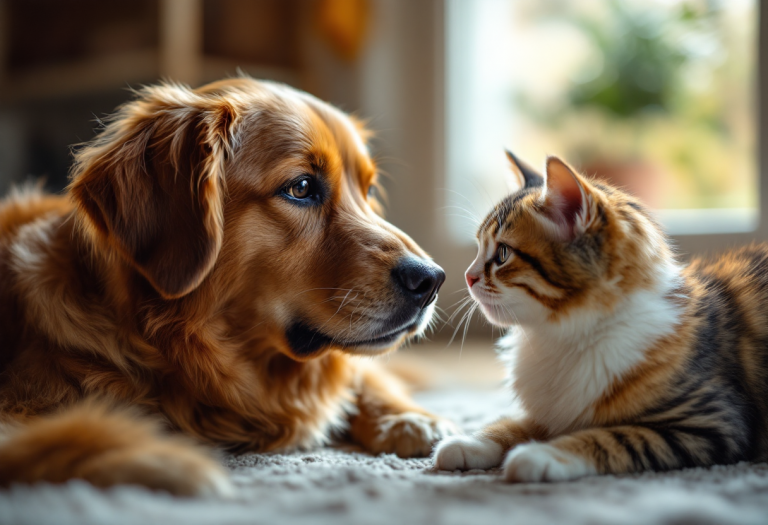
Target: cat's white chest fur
559	370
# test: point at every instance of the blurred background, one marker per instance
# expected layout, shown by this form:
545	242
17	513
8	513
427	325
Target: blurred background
657	96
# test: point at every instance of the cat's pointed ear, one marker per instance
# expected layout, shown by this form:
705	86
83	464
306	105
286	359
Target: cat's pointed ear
524	175
568	202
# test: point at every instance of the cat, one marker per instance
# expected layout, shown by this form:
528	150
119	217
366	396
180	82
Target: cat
623	359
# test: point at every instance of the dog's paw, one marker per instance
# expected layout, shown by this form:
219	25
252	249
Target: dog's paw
535	462
467	452
410	434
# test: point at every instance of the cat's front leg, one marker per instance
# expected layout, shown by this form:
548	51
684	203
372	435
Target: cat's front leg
612	450
486	448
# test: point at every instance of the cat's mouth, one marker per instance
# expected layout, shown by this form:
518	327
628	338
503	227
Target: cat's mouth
498	314
494	309
484	296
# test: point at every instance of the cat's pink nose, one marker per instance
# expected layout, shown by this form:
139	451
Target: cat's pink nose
471	279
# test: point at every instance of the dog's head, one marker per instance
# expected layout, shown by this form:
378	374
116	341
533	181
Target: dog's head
258	198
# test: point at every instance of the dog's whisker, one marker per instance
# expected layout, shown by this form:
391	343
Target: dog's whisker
316	289
338	310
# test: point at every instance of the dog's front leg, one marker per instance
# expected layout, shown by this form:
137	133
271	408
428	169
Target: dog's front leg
389	421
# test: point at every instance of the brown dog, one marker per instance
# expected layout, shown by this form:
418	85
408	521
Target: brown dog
217	263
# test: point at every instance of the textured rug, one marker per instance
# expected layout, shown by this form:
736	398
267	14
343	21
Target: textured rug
342	485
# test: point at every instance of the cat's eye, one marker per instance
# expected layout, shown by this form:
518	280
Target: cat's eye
502	254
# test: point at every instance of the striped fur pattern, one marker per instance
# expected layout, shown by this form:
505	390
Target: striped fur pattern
623	359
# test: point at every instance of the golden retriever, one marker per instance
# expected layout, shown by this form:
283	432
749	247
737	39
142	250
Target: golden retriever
216	267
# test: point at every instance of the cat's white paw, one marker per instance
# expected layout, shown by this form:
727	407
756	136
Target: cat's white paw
467	452
534	462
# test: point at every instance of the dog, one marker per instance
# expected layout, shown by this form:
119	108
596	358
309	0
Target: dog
217	266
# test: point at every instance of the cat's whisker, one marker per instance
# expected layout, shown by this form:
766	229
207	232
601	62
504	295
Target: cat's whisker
458	327
465	319
466	214
458	306
464	303
466	327
460	208
475	220
459	194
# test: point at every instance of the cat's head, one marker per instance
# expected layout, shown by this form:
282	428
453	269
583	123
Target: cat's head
563	243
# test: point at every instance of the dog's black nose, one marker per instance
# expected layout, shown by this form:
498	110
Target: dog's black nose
420	279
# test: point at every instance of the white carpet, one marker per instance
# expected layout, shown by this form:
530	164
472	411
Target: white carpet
344	486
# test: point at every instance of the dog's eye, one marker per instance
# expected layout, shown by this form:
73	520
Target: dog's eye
502	254
305	190
301	189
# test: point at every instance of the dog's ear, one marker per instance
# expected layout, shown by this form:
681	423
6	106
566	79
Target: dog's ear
151	184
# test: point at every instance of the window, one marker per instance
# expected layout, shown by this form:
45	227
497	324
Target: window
654	96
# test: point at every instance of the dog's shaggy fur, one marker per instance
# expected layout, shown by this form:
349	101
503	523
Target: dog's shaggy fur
187	279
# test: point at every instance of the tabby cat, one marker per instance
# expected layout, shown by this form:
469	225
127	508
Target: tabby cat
623	359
